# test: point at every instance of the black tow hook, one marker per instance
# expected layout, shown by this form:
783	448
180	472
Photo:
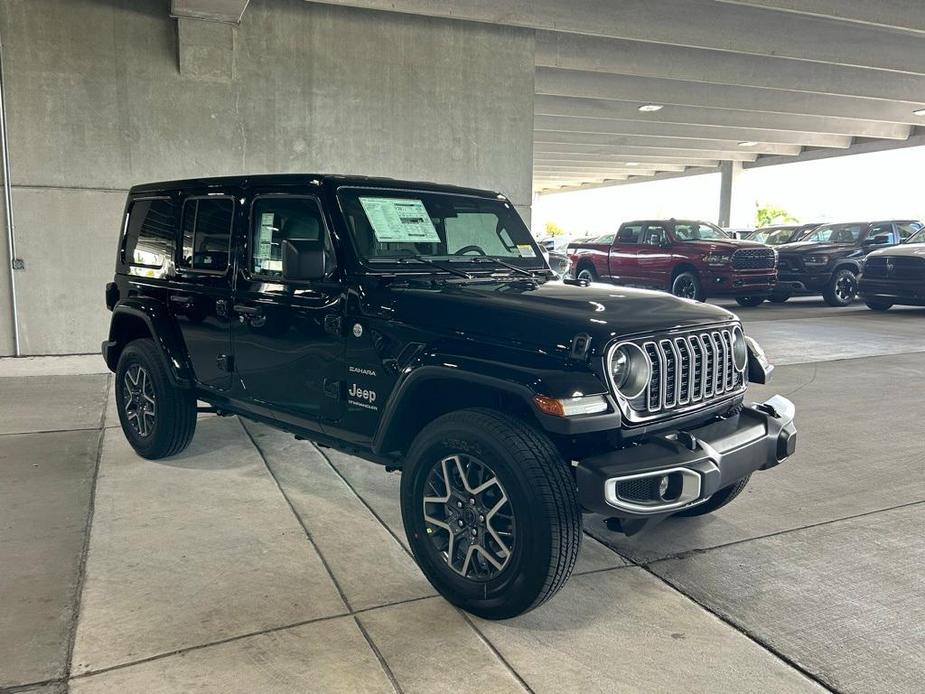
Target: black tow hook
767	409
688	440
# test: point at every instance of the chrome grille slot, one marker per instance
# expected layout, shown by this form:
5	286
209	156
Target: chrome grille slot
754	259
688	370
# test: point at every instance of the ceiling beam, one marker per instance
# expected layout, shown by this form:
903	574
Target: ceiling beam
905	15
540	190
694	132
644	59
549	105
539	164
693	23
634	152
667	143
227	11
611	160
577	83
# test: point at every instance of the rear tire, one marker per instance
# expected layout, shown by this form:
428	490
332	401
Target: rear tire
687	286
878	304
717	501
842	288
586	272
158	418
779	298
526	519
750	301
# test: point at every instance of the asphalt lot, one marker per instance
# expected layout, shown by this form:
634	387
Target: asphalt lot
254	562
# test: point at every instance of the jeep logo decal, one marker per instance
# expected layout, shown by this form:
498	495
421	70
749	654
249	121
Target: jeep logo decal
361	396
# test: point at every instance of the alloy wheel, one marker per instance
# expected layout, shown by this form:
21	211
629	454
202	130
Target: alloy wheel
586	275
468	516
846	287
138	400
685	288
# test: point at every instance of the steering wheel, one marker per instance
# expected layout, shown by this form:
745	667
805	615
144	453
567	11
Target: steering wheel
470	249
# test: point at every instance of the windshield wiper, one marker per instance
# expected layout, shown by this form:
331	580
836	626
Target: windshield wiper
403	259
493	259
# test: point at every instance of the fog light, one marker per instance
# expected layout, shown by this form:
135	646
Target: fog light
670	487
663	487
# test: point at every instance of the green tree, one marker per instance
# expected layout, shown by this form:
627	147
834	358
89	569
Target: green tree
766	215
553	229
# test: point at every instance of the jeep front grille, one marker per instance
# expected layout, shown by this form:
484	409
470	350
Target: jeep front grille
688	370
754	259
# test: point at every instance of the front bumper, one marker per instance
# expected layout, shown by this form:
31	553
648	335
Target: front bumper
898	291
697	462
803	282
739	283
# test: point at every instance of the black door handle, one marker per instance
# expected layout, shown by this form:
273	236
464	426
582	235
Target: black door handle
246	310
181	298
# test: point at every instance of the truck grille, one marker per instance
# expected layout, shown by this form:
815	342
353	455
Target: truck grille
894	267
689	370
754	259
789	263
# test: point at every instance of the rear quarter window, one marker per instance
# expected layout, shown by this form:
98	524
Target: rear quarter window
151	237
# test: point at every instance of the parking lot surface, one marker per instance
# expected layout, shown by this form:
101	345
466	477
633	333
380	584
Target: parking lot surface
255	562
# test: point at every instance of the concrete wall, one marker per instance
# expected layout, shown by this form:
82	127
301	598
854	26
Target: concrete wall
104	94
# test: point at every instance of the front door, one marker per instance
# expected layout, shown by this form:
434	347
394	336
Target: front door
653	257
200	298
288	347
622	261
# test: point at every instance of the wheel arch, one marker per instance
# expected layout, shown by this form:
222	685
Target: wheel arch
132	321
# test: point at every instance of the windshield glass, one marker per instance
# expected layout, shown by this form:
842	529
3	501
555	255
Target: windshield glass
386	225
836	233
917	238
698	231
773	237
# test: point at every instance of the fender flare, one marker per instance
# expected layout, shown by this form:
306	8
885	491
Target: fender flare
163	330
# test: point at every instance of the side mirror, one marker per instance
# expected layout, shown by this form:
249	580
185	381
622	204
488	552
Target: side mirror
304	260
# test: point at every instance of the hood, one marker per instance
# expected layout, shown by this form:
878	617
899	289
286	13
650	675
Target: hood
906	250
722	245
550	314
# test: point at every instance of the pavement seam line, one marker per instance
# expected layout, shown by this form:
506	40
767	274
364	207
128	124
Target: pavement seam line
49	431
88	528
478	633
298	518
701	550
375	649
787	660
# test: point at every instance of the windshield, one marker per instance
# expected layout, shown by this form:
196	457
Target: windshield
918	237
387	225
773	237
698	231
836	233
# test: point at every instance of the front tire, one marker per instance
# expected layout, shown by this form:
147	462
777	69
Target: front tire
779	298
491	512
842	288
717	501
687	286
750	301
158	419
878	304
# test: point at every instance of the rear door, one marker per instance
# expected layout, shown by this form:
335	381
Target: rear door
288	346
200	298
653	256
624	268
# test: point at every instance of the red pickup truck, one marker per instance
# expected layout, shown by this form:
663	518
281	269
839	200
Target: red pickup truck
688	258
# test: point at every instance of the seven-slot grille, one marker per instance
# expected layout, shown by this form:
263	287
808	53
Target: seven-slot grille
754	259
695	368
895	267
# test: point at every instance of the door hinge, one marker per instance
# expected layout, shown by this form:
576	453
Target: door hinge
333	325
225	362
332	389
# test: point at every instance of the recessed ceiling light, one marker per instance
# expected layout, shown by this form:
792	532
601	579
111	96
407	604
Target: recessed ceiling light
747	143
919	112
649	108
632	163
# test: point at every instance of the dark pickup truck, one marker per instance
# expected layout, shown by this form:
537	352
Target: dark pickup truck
690	259
895	275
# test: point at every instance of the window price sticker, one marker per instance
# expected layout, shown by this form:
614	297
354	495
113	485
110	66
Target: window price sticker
399	220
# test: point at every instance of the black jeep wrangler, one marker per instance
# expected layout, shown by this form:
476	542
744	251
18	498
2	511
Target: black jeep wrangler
419	327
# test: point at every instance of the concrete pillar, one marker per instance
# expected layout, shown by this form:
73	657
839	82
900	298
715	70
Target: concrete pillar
729	171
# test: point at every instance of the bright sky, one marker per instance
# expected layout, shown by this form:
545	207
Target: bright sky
880	185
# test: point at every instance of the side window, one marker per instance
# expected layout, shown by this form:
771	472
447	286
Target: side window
150	237
882	230
907	229
654	236
206	229
629	234
279	218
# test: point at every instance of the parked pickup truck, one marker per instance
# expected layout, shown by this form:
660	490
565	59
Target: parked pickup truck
690	259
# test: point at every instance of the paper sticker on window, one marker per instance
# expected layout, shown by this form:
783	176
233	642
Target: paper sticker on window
526	250
399	220
264	250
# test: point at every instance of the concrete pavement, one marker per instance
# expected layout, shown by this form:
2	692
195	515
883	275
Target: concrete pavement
254	562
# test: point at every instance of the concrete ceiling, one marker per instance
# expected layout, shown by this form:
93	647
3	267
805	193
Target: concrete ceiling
755	81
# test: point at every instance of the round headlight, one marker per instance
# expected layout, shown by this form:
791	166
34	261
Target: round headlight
739	349
629	370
